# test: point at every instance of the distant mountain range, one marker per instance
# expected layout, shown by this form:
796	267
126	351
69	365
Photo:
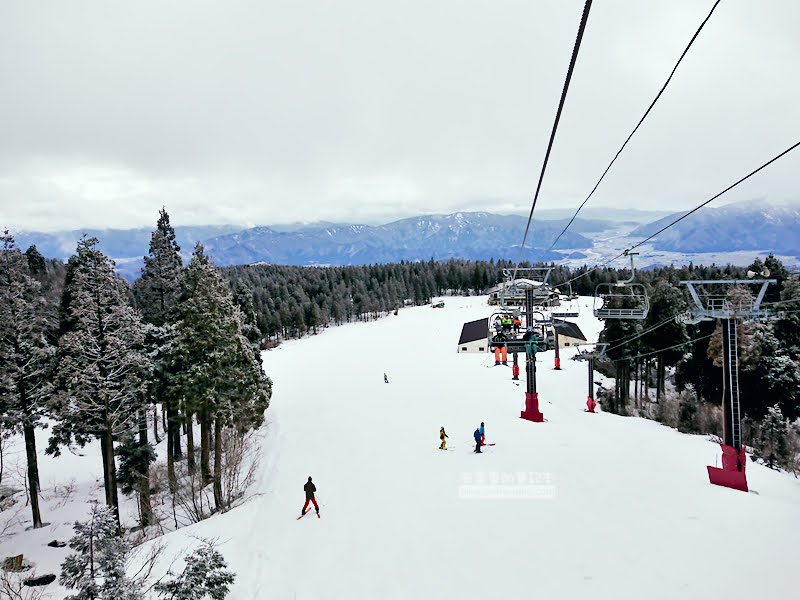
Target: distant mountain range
730	228
469	235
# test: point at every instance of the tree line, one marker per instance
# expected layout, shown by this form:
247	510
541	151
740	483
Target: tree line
91	354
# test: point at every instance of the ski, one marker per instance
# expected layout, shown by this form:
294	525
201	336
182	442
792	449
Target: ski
308	512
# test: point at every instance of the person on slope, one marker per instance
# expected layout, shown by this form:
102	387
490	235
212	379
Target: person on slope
483	434
385	378
477	436
310	488
443	435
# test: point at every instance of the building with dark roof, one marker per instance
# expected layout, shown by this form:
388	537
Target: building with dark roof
474	336
569	334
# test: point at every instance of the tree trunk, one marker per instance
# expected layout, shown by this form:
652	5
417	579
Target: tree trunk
190	461
660	376
33	473
145	508
170	429
155	424
174	420
110	472
645	395
218	500
205	446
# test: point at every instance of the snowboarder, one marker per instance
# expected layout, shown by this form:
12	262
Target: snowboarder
477	436
443	435
310	488
483	434
385	378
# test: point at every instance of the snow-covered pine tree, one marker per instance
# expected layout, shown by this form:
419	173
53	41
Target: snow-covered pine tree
25	357
214	369
156	292
101	366
772	445
243	298
666	301
97	570
205	576
135	458
36	262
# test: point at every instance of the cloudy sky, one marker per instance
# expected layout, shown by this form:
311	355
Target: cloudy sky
263	112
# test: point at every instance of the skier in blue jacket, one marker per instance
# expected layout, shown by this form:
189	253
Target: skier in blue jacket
477	436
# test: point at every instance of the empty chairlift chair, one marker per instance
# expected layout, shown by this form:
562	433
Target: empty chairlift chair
621	300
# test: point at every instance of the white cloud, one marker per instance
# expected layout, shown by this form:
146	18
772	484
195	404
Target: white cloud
266	112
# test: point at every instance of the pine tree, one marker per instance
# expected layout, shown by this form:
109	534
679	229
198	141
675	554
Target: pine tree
25	357
97	570
214	369
156	293
772	445
205	576
101	366
666	301
36	262
156	290
133	474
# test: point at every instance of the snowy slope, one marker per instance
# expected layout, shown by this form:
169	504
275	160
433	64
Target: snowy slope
632	514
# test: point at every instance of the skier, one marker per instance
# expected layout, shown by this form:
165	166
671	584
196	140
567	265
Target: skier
310	488
517	325
477	436
442	435
385	378
483	434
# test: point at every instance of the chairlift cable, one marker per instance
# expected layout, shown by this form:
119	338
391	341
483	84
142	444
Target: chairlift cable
644	116
695	209
576	47
730	187
630	358
623	341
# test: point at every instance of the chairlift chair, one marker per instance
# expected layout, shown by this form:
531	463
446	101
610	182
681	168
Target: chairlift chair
621	300
570	308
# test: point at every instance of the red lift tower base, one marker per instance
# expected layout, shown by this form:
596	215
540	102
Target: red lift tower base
732	472
531	412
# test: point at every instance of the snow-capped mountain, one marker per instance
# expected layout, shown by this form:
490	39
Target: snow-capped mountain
477	235
747	225
734	233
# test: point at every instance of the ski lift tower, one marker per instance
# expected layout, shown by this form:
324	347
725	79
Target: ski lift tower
531	412
731	311
598	353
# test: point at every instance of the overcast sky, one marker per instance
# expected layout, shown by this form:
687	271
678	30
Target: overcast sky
266	112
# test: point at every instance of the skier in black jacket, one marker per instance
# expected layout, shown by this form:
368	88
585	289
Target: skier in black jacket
310	488
477	436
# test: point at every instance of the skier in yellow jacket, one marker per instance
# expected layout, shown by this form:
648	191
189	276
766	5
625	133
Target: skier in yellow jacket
442	435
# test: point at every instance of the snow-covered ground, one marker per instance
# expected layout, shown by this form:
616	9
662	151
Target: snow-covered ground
617	507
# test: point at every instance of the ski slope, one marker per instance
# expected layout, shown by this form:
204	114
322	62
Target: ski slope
624	510
632	515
